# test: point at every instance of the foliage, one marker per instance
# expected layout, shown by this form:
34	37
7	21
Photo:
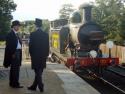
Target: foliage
65	11
122	28
46	25
109	14
6	8
29	26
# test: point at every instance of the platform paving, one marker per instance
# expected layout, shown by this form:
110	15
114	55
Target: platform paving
57	80
51	80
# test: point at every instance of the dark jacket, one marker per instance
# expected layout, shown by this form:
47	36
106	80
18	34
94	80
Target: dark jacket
39	48
11	44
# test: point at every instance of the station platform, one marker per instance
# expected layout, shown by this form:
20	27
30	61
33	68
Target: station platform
57	79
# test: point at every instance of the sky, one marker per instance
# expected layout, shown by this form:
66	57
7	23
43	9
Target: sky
44	9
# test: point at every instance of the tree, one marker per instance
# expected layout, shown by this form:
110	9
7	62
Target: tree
122	28
29	26
108	13
46	25
65	11
6	8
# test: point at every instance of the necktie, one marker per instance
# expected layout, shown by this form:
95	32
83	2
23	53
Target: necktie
18	38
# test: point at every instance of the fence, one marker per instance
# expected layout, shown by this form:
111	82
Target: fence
25	51
1	55
116	51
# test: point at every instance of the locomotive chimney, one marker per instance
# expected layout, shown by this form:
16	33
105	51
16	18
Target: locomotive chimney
86	12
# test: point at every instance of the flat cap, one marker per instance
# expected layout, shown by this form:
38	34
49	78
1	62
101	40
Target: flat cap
38	22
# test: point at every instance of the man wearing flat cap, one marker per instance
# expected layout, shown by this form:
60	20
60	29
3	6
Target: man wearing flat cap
13	54
39	50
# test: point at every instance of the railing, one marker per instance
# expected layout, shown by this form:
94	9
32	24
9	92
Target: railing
116	51
1	55
25	50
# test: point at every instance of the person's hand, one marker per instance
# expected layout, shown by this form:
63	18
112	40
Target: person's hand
65	49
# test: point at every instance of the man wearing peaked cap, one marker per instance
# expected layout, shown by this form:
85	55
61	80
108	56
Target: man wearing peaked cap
39	50
13	54
38	22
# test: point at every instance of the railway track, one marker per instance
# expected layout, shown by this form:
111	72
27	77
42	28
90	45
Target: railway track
115	76
109	83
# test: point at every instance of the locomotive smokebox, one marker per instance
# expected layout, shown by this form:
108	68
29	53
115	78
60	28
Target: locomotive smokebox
90	34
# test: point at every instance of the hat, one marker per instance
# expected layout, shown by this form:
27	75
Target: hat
15	23
38	22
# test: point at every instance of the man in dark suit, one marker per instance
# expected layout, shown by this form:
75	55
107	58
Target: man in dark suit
13	55
39	50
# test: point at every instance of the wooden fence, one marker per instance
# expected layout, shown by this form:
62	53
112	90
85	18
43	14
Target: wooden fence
116	51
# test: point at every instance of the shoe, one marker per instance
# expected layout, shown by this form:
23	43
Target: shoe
16	86
31	88
41	90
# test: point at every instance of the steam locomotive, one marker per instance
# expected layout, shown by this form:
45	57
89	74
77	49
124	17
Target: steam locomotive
86	36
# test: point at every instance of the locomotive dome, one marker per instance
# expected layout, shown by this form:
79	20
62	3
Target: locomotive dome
75	17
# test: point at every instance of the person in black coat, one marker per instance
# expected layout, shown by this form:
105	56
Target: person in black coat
13	55
39	51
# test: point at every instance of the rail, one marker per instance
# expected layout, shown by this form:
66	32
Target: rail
122	91
117	70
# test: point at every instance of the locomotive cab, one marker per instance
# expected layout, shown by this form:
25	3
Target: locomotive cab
58	34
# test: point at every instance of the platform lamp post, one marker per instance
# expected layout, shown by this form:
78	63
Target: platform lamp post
110	45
